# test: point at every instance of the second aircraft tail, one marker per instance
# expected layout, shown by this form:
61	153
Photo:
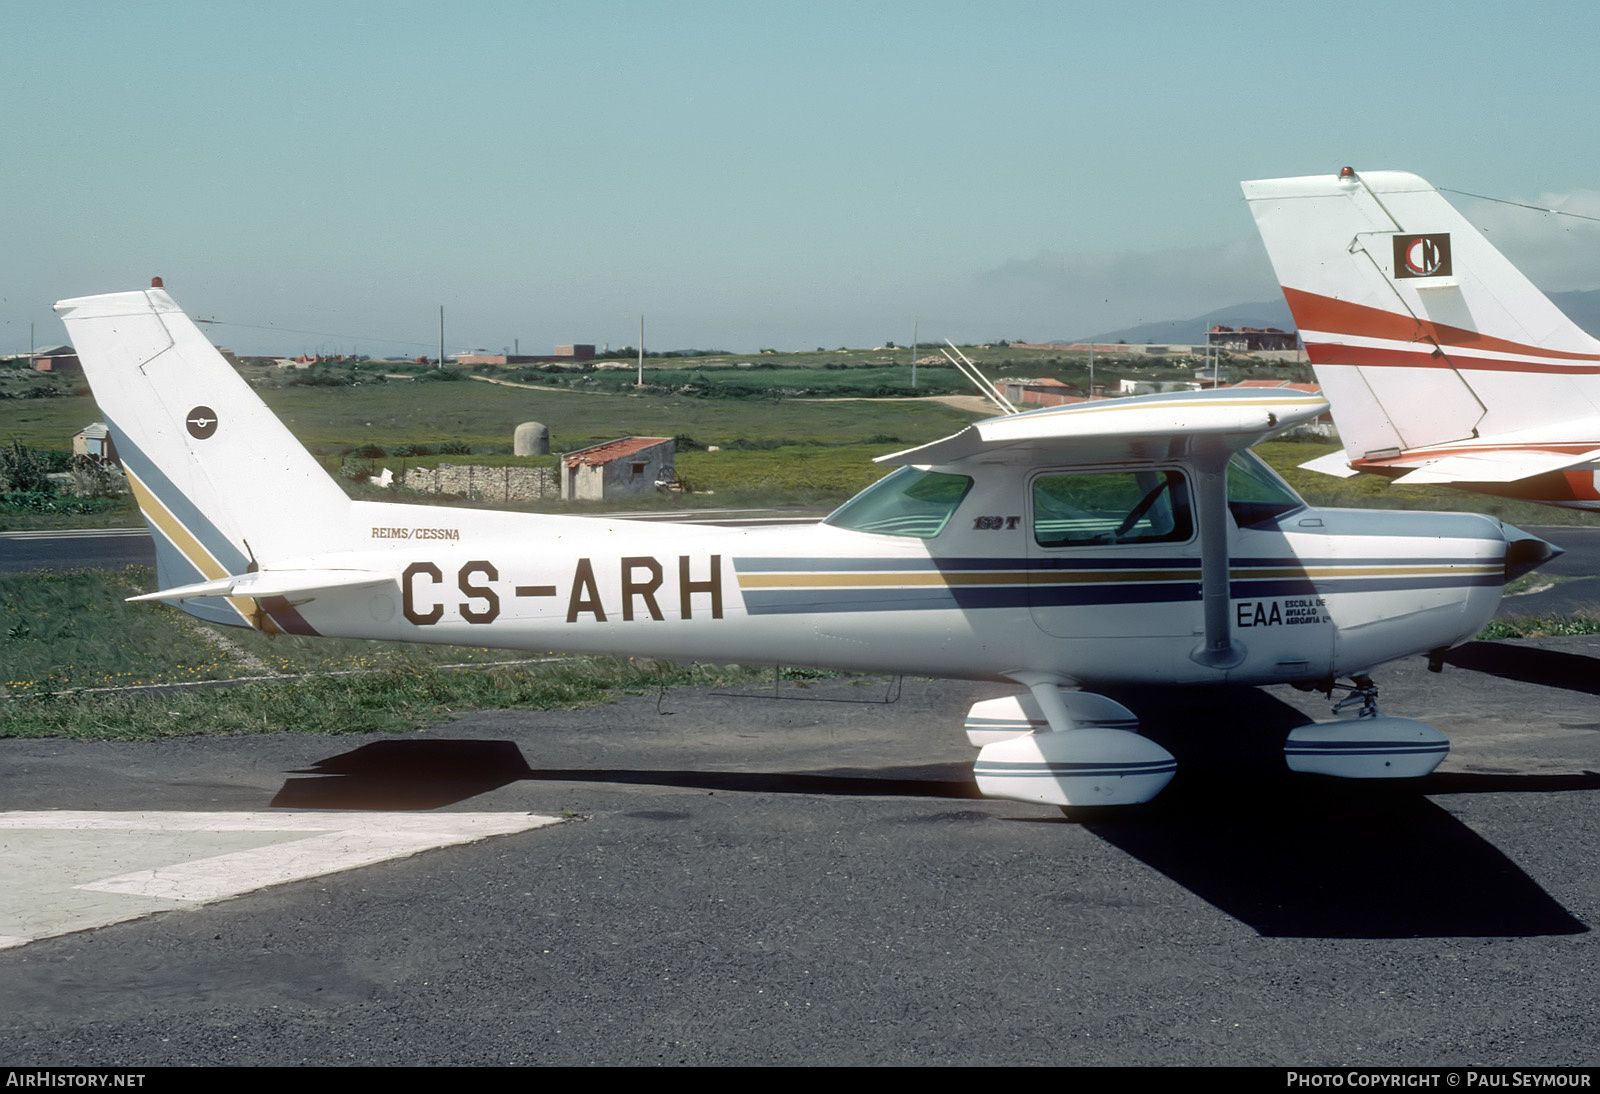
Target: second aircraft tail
1442	361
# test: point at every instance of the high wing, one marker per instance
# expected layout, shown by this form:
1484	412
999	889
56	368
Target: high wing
1443	363
1171	425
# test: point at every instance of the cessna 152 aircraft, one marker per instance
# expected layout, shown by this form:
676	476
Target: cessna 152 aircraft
1110	543
1442	361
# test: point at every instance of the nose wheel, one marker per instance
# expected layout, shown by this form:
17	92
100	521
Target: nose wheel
1362	694
1372	745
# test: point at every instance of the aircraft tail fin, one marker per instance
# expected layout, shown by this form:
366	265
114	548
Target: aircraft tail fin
219	479
1422	334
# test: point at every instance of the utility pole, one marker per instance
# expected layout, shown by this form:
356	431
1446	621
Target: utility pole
441	336
913	353
640	382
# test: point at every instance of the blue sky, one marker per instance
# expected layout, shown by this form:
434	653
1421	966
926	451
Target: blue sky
744	175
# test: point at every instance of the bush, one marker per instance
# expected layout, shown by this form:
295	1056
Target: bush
39	501
29	501
96	478
24	470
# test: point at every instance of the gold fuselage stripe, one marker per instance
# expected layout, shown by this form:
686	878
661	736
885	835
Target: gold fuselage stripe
162	518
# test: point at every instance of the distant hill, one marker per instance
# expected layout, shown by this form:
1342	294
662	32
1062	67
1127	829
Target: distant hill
1582	307
1271	313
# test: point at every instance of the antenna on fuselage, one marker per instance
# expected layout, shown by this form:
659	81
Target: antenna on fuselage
970	371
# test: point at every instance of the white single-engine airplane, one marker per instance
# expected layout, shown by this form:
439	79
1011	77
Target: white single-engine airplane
1123	542
1442	361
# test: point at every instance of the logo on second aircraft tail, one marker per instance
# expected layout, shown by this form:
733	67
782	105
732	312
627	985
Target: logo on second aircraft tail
1422	256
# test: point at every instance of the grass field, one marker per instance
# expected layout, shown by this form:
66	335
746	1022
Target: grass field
816	451
75	654
72	629
774	452
828	450
485	416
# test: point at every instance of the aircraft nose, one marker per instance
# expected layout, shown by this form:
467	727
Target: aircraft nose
1525	552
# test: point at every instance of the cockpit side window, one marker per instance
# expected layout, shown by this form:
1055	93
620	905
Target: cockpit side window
910	502
1148	506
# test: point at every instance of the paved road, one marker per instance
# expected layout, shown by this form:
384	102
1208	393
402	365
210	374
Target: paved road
79	549
739	880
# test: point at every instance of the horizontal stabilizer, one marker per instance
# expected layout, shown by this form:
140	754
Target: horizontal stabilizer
1334	463
1493	467
294	585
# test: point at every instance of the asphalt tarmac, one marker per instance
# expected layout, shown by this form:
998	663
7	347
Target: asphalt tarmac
743	880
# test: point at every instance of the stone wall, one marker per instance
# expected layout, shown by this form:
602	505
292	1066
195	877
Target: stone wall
488	483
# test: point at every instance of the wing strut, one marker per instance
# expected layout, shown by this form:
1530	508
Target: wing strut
1219	650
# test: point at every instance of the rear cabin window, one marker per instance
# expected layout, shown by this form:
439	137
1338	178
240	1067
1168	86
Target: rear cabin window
1111	507
909	502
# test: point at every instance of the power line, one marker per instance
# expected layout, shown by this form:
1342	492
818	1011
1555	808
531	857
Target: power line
1520	204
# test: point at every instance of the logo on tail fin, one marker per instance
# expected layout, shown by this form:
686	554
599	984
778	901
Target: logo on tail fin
202	422
1422	256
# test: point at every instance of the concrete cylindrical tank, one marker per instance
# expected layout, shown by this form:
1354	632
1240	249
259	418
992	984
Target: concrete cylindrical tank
531	439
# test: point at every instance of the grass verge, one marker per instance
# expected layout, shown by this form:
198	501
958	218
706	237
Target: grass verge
80	662
1558	626
390	701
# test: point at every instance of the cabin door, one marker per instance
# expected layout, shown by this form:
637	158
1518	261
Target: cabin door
1114	554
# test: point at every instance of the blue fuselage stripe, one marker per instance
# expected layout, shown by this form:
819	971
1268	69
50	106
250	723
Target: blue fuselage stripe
1067	583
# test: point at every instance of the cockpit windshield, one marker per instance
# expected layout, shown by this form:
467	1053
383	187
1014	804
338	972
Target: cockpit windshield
910	502
1255	492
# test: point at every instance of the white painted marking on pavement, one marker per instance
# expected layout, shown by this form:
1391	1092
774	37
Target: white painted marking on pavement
44	857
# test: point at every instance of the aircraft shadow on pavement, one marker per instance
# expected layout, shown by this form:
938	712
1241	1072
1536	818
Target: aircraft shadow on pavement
401	775
1303	857
405	775
1288	855
1306	856
1530	665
